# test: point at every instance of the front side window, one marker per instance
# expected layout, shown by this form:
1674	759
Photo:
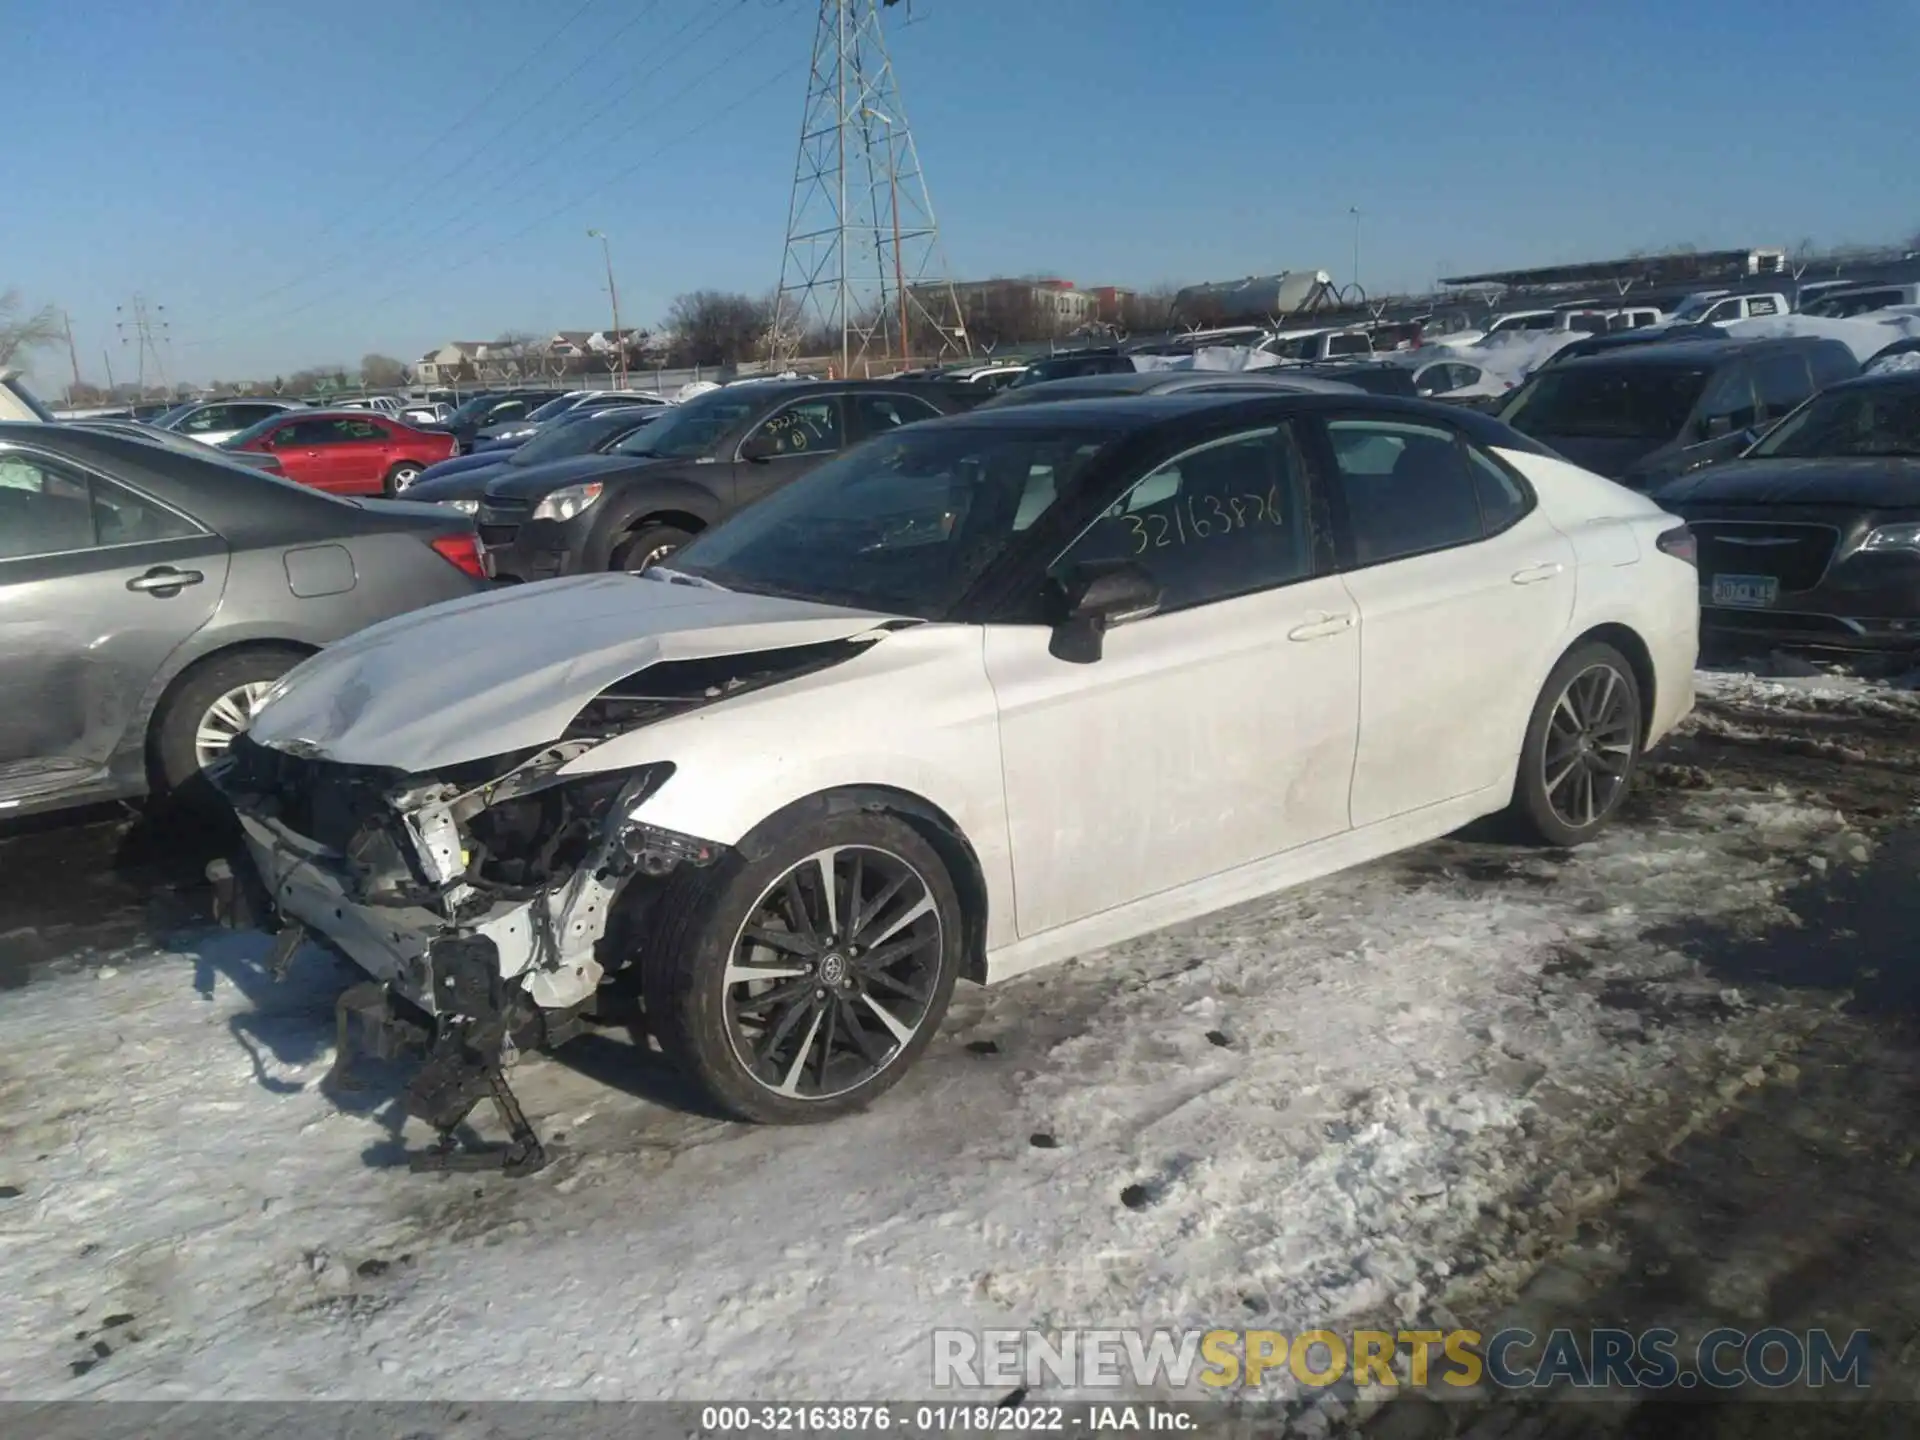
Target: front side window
1782	382
1725	310
880	413
48	509
1730	398
1407	489
904	525
1227	519
807	427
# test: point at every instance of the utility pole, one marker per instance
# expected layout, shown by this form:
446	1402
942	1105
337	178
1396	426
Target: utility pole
73	355
1354	211
150	329
619	340
835	277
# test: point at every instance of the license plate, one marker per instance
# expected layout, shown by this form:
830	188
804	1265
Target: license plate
1752	592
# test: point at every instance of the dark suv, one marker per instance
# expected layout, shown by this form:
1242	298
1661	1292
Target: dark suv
702	460
1645	414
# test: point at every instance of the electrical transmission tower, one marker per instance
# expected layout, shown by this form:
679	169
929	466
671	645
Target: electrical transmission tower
150	331
863	266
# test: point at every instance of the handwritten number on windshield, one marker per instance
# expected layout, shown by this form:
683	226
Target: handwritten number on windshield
1187	518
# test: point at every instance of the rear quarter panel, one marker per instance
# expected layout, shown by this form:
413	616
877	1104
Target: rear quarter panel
1623	578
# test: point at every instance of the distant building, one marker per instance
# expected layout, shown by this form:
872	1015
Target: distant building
1024	309
1108	302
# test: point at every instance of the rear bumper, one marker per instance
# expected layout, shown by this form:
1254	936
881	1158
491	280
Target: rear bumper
1863	602
522	550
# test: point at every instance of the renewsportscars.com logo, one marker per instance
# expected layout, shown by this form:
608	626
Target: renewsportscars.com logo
1215	1360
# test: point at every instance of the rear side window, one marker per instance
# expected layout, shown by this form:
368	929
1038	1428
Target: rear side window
1407	489
1503	500
1349	345
1781	382
46	508
1763	305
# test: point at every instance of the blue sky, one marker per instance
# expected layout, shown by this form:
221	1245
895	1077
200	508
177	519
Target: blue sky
282	179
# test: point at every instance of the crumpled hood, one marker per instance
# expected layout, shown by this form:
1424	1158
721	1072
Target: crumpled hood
508	669
1874	482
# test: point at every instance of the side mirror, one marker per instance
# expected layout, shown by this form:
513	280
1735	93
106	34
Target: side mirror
759	449
1092	599
1714	426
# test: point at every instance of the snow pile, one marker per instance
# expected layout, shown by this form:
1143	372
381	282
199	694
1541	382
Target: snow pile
1365	1101
1865	335
1887	365
1210	357
1512	357
692	388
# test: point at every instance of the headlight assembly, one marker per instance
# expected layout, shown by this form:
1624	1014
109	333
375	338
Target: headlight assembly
567	502
1904	536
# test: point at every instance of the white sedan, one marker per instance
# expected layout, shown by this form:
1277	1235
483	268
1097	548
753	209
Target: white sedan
983	693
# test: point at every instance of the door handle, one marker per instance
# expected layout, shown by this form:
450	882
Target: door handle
164	581
1319	629
1534	574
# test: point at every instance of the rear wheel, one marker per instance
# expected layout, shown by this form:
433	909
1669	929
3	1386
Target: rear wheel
402	475
211	707
802	985
1581	749
647	546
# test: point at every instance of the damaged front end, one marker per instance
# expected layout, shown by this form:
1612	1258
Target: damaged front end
481	901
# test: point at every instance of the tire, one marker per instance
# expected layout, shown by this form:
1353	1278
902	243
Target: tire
773	1060
646	545
176	732
400	477
1552	801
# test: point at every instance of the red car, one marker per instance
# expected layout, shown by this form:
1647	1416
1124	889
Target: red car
349	452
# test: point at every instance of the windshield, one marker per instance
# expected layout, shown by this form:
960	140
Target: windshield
692	429
1625	402
472	409
252	432
903	525
569	436
551	410
1841	423
166	419
1695	306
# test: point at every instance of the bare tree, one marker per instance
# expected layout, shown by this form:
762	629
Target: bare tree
21	334
382	372
715	327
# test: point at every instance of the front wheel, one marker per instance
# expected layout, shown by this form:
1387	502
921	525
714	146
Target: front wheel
1581	749
801	985
401	476
648	546
210	709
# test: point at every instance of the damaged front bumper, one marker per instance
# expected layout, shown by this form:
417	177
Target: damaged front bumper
487	905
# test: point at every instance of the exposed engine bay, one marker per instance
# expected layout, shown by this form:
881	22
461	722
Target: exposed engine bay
489	901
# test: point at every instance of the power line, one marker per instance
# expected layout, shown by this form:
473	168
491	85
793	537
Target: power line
427	153
731	58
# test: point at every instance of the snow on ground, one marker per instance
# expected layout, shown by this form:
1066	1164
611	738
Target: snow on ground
1356	1101
1210	357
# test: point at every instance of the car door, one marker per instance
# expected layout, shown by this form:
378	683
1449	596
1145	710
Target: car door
304	449
360	453
98	585
1214	733
1464	591
799	435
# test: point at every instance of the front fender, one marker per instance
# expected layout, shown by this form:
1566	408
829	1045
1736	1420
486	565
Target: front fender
913	712
627	505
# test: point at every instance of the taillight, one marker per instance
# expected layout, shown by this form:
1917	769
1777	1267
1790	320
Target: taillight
462	551
1679	542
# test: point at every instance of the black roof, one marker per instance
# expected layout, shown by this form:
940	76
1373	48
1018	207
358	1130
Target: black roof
1126	414
1880	380
1674	353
